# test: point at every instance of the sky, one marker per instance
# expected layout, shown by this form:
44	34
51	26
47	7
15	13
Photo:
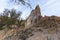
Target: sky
48	7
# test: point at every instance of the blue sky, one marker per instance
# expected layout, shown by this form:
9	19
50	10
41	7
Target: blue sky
48	7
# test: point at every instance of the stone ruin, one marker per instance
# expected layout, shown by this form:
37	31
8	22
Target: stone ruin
36	19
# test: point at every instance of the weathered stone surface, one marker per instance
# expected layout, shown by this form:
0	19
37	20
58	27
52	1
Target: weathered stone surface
34	17
49	28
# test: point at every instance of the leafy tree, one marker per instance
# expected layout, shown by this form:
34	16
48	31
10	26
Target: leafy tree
5	20
14	14
6	12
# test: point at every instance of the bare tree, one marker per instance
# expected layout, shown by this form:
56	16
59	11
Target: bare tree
21	2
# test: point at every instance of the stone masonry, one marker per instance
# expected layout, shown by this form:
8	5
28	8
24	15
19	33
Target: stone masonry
34	17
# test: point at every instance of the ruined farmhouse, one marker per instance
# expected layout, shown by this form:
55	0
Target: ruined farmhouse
36	19
49	25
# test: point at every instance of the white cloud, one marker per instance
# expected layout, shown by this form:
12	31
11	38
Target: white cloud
26	13
49	2
3	4
16	7
53	9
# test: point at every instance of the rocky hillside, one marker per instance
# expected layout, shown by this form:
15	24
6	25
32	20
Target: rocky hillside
34	33
48	22
49	29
